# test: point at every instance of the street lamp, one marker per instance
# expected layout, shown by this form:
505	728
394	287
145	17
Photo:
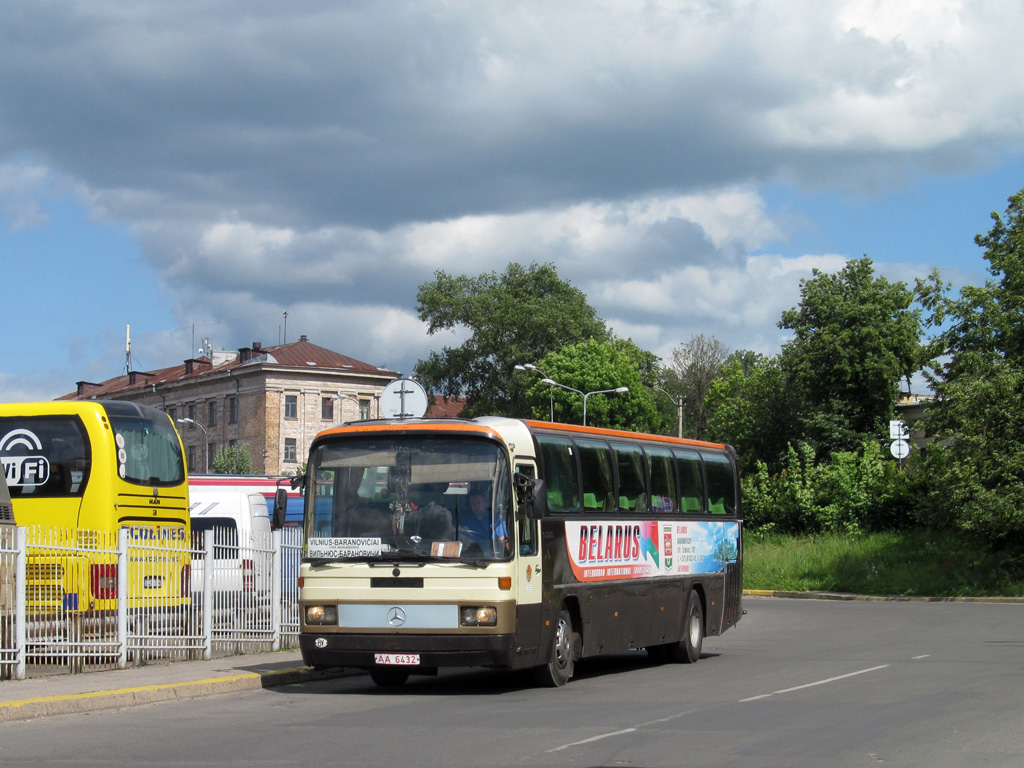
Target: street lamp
340	396
551	389
206	445
679	403
553	383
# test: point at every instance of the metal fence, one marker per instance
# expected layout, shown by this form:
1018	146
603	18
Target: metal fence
74	601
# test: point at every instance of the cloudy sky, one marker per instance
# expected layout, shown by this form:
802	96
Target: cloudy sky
199	168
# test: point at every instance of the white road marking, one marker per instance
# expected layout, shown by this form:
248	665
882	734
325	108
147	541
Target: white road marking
593	738
815	683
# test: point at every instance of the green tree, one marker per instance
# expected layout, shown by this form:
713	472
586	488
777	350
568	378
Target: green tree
590	366
516	317
233	460
753	407
855	338
979	412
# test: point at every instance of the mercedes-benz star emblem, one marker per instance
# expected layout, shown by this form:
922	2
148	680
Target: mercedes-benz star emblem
396	617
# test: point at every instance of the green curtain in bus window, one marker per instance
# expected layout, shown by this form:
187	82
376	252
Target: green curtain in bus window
664	490
596	476
560	477
691	482
721	484
629	460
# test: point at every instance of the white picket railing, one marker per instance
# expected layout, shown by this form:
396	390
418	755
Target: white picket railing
246	602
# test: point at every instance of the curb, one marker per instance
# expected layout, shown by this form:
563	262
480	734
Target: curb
45	706
875	598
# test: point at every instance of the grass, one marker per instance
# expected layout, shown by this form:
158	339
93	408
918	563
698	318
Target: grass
916	563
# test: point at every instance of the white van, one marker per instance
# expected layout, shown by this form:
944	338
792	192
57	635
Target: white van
240	525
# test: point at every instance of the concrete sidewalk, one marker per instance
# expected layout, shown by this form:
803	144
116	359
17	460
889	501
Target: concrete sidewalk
91	691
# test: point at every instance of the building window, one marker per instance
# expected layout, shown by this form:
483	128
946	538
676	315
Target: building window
173	413
291	406
212	413
290	451
191	457
233	410
327	409
192	417
364	409
211	452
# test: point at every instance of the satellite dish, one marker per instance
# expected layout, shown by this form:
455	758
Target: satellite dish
403	399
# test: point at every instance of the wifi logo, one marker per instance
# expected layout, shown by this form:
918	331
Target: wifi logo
21	469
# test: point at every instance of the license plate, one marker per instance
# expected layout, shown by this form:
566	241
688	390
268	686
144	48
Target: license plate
397	659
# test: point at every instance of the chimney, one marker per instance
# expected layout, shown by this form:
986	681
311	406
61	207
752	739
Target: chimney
257	346
303	338
83	386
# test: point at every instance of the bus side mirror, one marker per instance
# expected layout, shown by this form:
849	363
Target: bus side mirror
531	495
280	507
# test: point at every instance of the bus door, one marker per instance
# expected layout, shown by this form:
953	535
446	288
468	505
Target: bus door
529	590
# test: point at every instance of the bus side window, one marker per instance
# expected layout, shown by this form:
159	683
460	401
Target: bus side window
691	482
721	484
664	489
596	476
629	461
561	479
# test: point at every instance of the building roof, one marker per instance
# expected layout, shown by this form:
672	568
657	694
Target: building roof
297	354
445	407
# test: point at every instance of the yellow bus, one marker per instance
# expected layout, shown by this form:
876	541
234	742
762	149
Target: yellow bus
514	544
80	471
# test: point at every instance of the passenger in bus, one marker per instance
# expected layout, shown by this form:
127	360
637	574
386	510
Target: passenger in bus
477	524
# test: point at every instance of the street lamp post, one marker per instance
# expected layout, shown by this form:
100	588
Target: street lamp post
679	404
206	445
551	389
341	396
553	383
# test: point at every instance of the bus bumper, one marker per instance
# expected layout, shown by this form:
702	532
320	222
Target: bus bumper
356	650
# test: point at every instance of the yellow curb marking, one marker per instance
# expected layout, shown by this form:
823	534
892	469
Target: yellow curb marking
162	686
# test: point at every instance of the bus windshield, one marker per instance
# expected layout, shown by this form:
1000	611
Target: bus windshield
409	498
148	452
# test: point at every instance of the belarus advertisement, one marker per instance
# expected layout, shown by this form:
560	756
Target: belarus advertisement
633	549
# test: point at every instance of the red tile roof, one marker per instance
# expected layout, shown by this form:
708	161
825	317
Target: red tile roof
298	354
445	408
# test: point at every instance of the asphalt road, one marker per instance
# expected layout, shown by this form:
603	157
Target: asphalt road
797	683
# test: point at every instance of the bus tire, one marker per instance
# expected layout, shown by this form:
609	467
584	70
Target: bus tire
389	677
562	656
687	650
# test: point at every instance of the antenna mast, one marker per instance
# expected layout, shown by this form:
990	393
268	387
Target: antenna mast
128	347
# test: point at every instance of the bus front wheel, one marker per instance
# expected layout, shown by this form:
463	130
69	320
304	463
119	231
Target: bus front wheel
562	657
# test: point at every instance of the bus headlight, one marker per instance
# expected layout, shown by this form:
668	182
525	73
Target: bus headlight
479	616
321	614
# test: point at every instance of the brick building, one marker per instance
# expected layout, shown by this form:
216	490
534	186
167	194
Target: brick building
274	400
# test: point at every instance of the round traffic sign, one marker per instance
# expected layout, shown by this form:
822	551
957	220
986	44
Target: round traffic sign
900	449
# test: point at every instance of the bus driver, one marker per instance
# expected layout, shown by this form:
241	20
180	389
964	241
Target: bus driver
477	525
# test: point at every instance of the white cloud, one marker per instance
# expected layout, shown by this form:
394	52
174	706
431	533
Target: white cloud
325	159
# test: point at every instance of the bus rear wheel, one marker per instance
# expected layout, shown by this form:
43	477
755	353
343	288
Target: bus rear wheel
562	658
687	650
